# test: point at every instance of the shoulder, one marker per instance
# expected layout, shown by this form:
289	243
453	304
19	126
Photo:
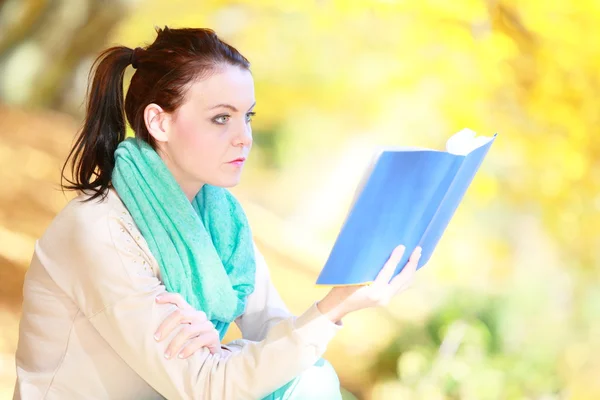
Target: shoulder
92	251
92	230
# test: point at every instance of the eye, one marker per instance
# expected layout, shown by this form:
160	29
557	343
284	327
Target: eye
221	119
249	116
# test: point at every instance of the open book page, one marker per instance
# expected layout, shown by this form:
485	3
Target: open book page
465	141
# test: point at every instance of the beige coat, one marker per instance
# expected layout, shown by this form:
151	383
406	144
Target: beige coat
89	316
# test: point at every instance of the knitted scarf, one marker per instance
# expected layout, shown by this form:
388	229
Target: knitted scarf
204	247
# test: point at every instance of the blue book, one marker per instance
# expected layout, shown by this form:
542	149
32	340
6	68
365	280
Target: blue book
408	196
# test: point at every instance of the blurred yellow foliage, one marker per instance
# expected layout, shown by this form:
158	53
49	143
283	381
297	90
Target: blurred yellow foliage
507	306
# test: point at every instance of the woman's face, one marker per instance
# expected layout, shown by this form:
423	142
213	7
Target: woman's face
209	136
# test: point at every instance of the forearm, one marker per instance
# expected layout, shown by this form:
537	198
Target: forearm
257	369
331	307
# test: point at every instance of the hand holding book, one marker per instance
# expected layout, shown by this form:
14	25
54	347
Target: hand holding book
342	300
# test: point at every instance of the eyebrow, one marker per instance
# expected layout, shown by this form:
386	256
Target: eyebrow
229	106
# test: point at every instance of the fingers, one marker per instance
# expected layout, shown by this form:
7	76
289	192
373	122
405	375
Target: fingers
196	337
194	327
209	340
177	317
405	277
388	269
215	349
185	333
169	324
172	298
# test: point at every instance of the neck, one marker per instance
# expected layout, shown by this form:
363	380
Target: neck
189	188
190	191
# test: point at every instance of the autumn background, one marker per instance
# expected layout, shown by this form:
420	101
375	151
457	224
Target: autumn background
508	307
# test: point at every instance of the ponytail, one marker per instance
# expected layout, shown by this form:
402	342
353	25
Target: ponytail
93	154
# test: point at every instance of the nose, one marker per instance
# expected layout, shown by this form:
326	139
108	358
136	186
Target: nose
244	137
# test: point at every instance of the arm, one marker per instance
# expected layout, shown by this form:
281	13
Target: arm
116	291
264	307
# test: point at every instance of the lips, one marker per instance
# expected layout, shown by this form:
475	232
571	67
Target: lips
238	161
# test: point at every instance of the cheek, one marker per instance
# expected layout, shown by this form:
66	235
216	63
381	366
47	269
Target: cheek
196	143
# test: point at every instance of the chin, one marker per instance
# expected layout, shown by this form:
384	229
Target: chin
227	183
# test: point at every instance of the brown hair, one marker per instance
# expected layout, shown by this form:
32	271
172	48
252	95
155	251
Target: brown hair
164	71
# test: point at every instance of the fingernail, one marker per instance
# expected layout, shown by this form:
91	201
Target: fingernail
157	336
167	355
157	298
180	355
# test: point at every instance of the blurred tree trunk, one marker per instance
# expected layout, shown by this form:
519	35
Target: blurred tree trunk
45	44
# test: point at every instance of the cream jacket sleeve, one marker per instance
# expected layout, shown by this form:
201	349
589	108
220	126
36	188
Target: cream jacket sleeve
117	295
264	307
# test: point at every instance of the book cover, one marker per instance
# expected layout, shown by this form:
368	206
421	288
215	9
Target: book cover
408	197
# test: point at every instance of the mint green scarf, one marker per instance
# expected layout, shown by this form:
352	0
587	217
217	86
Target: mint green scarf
204	248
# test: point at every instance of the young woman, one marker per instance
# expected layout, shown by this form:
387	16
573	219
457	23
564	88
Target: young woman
135	282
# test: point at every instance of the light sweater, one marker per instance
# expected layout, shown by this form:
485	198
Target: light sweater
90	315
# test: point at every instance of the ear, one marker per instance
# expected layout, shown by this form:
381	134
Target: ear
157	122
